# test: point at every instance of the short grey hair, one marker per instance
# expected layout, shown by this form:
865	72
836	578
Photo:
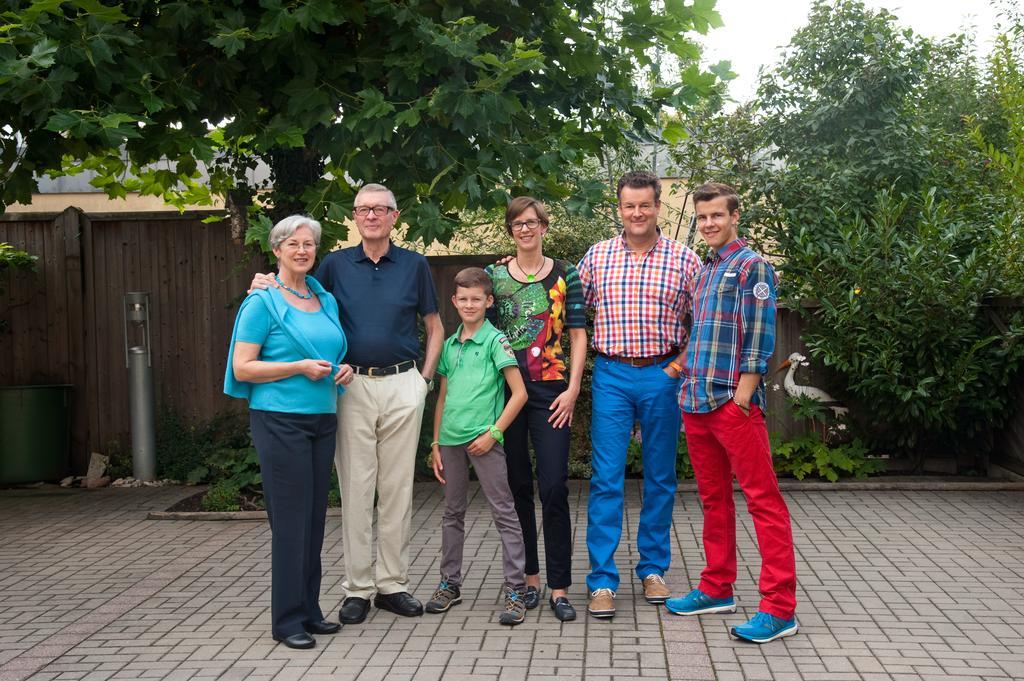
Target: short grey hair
375	188
286	227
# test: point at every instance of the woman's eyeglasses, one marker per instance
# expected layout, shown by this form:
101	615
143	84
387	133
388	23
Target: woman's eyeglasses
524	225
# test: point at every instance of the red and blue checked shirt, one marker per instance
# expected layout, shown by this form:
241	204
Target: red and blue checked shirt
733	328
640	301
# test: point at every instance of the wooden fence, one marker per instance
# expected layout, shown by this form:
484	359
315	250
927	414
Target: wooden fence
66	320
64	323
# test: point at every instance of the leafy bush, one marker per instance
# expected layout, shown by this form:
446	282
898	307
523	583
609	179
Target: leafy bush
237	467
822	452
904	320
182	446
13	259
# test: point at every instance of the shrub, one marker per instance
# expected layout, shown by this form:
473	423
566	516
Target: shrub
182	447
904	319
824	451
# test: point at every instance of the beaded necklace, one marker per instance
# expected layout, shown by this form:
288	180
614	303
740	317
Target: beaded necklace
289	289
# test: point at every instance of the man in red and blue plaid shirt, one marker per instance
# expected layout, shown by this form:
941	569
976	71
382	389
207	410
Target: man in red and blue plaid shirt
723	402
638	284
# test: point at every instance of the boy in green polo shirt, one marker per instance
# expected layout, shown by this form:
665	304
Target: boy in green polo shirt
469	425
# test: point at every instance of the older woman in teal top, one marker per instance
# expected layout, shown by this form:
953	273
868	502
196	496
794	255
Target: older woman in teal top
285	359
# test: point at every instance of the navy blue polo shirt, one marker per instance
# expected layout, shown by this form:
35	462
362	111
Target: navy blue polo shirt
378	302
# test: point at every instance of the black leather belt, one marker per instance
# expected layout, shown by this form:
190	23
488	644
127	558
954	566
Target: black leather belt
641	361
385	371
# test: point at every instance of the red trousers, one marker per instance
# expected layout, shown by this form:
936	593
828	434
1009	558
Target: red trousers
726	442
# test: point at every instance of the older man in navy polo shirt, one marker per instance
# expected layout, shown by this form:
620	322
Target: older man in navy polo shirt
381	290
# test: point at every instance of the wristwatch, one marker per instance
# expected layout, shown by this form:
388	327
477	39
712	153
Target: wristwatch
496	433
429	382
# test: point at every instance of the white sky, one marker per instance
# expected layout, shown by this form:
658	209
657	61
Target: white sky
755	30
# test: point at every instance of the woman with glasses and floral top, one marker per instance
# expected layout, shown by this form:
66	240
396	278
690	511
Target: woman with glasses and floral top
536	300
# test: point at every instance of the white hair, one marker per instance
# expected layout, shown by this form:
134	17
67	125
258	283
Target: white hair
375	188
286	227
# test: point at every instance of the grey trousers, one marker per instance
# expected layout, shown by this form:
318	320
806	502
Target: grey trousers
490	470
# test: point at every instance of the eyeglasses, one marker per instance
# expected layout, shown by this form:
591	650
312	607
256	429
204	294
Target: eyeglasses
291	245
379	211
524	225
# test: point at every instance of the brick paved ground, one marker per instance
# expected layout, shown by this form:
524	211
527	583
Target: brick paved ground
894	585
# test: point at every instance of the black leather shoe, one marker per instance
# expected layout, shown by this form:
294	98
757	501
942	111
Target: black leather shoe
563	609
531	597
301	641
353	610
400	603
322	627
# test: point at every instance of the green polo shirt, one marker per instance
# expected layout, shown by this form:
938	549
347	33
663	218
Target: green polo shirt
476	387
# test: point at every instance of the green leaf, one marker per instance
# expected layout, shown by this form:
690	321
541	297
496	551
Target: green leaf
674	132
109	14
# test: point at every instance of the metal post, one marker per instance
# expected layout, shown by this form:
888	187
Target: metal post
140	380
138	359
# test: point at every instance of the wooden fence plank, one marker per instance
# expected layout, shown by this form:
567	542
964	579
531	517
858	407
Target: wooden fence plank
70	223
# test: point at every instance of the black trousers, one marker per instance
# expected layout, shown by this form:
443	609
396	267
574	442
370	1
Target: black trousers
296	454
551	445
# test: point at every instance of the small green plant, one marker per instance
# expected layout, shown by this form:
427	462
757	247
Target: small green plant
234	477
824	451
222	496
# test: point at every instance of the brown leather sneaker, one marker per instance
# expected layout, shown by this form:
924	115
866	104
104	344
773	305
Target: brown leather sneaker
655	590
602	604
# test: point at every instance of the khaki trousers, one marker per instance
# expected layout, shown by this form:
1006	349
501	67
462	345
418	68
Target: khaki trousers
378	433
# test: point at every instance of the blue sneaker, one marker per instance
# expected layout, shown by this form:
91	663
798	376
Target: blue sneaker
699	603
763	628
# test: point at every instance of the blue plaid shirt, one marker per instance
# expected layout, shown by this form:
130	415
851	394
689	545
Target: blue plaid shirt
733	328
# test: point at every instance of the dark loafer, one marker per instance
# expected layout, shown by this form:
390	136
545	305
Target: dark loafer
400	603
354	610
322	627
301	641
531	597
563	609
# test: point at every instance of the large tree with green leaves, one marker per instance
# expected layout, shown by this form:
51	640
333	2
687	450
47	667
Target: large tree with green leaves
454	104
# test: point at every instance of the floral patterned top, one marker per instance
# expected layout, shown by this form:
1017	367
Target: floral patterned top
533	316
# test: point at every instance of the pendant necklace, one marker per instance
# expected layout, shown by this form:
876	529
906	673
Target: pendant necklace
531	277
309	294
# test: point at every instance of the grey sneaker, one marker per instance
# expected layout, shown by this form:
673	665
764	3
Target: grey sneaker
444	598
515	607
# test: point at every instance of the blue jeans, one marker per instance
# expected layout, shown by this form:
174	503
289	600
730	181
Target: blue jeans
623	394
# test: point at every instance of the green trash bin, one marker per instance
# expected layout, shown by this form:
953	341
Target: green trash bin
35	431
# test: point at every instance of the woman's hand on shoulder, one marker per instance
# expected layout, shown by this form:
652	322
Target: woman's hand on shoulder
503	260
262	281
313	369
345	375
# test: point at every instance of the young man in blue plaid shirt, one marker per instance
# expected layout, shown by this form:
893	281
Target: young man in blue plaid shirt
723	401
